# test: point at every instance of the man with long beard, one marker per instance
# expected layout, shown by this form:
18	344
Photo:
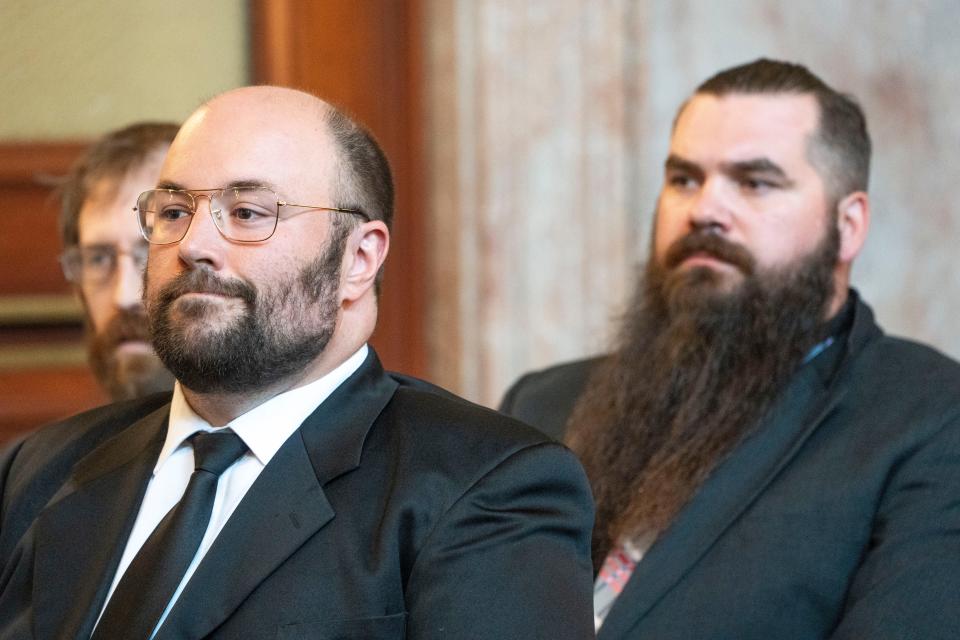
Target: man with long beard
104	254
290	488
766	462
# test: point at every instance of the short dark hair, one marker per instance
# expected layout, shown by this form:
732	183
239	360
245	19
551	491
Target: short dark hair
363	180
842	145
112	156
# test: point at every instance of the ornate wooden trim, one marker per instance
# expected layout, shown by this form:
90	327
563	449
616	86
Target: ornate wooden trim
29	163
271	53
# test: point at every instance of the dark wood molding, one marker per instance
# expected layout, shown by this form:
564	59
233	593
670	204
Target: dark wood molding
271	56
29	171
30	163
43	374
33	397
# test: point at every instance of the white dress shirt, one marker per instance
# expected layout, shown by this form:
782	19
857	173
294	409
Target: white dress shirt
263	429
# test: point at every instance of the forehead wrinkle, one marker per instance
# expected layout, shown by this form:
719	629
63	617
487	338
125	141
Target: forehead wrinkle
772	117
242	183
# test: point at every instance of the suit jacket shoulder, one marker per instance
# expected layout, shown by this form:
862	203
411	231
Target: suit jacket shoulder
835	518
33	468
395	510
546	398
503	519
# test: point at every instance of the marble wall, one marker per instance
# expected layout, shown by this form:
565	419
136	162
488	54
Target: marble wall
547	125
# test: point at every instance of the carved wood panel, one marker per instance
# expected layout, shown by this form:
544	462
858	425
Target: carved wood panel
43	373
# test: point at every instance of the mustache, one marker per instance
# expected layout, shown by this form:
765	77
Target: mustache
713	245
203	281
127	324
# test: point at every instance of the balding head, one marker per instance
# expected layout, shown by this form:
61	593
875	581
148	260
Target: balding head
355	171
250	291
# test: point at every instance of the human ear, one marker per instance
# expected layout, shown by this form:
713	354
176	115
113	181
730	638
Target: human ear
853	219
367	248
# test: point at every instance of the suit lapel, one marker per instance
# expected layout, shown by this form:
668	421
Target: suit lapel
721	500
808	400
81	534
285	507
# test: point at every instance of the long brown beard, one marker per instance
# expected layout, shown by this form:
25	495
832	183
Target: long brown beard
693	370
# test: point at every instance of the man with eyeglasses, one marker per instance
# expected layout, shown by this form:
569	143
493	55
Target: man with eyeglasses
104	254
290	487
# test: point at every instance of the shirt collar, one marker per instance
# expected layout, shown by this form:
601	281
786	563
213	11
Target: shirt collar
267	426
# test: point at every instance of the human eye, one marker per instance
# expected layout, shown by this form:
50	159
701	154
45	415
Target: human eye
98	258
681	180
247	214
250	213
756	185
174	212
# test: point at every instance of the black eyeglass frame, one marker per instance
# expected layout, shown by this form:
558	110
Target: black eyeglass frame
210	194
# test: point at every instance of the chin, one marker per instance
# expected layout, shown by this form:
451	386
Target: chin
198	308
199	319
704	281
135	375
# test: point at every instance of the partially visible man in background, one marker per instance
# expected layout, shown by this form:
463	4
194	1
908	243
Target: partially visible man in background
104	254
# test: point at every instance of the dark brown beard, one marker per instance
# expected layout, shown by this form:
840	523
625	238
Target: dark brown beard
131	376
693	370
271	340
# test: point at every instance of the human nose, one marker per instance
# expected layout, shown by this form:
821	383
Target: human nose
128	285
709	209
200	244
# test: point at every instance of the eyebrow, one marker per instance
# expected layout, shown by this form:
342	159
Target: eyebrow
753	166
676	163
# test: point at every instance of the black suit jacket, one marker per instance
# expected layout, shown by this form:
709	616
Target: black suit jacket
839	517
395	511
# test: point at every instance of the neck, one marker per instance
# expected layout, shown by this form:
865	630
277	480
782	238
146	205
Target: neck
841	291
218	409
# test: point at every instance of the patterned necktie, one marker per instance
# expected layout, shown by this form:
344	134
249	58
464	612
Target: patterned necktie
150	581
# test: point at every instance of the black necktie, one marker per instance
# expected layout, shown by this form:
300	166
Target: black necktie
156	571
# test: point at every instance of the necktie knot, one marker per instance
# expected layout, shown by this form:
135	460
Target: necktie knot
215	452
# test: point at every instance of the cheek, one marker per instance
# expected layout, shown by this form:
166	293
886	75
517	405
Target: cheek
665	231
778	244
162	266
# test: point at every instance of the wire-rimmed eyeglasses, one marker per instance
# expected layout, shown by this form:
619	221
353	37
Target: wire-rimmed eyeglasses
96	265
241	214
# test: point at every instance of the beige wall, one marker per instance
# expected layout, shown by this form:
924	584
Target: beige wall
76	68
548	126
